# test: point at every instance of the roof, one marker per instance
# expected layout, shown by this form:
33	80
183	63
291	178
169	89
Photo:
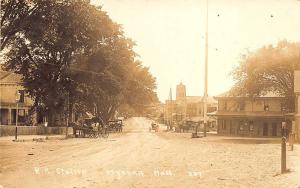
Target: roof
9	77
197	99
3	74
198	119
230	94
250	114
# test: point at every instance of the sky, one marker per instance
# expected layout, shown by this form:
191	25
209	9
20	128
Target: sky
170	36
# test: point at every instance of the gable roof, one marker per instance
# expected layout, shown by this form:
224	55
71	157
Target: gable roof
3	74
9	77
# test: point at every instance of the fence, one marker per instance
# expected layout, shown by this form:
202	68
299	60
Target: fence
9	130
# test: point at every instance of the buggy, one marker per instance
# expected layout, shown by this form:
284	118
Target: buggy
154	127
91	128
115	125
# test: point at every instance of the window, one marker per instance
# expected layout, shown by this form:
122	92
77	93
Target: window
225	106
223	124
251	126
21	115
241	125
241	105
266	107
283	107
22	96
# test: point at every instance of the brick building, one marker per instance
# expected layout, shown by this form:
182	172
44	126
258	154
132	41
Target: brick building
186	108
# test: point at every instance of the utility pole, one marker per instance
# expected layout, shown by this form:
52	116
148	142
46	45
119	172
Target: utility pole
171	118
205	74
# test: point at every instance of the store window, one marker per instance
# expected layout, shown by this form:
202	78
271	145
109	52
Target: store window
241	106
224	124
266	107
241	125
251	126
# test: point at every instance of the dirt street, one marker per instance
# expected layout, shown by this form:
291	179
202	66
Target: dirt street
139	158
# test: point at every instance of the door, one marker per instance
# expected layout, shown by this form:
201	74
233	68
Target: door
265	129
232	128
274	129
3	116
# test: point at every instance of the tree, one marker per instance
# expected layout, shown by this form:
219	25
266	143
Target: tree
269	69
14	17
73	50
45	50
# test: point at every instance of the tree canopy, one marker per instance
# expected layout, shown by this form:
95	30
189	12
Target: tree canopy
268	69
70	49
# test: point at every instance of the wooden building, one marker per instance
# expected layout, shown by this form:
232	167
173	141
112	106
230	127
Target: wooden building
251	116
10	85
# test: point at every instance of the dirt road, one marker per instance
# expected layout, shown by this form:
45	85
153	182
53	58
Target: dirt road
138	158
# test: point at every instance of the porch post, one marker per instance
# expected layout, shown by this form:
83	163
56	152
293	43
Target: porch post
297	120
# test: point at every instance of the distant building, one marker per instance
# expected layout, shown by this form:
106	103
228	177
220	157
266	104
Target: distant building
247	116
186	108
296	125
10	84
180	92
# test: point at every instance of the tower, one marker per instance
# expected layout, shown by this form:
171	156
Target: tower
180	92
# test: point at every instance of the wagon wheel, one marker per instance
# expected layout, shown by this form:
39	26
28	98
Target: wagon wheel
85	133
96	134
105	133
90	134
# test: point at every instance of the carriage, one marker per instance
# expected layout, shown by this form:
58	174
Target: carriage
154	127
115	125
91	128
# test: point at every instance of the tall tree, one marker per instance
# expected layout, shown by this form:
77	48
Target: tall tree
269	69
73	50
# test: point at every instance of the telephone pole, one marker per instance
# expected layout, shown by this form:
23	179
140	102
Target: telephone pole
171	118
205	74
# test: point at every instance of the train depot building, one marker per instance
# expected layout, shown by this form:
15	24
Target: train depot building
260	116
251	116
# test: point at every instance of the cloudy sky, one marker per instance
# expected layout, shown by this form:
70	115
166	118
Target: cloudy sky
170	36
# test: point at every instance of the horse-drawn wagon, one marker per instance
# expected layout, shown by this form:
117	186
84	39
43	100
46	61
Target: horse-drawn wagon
115	125
92	128
154	127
